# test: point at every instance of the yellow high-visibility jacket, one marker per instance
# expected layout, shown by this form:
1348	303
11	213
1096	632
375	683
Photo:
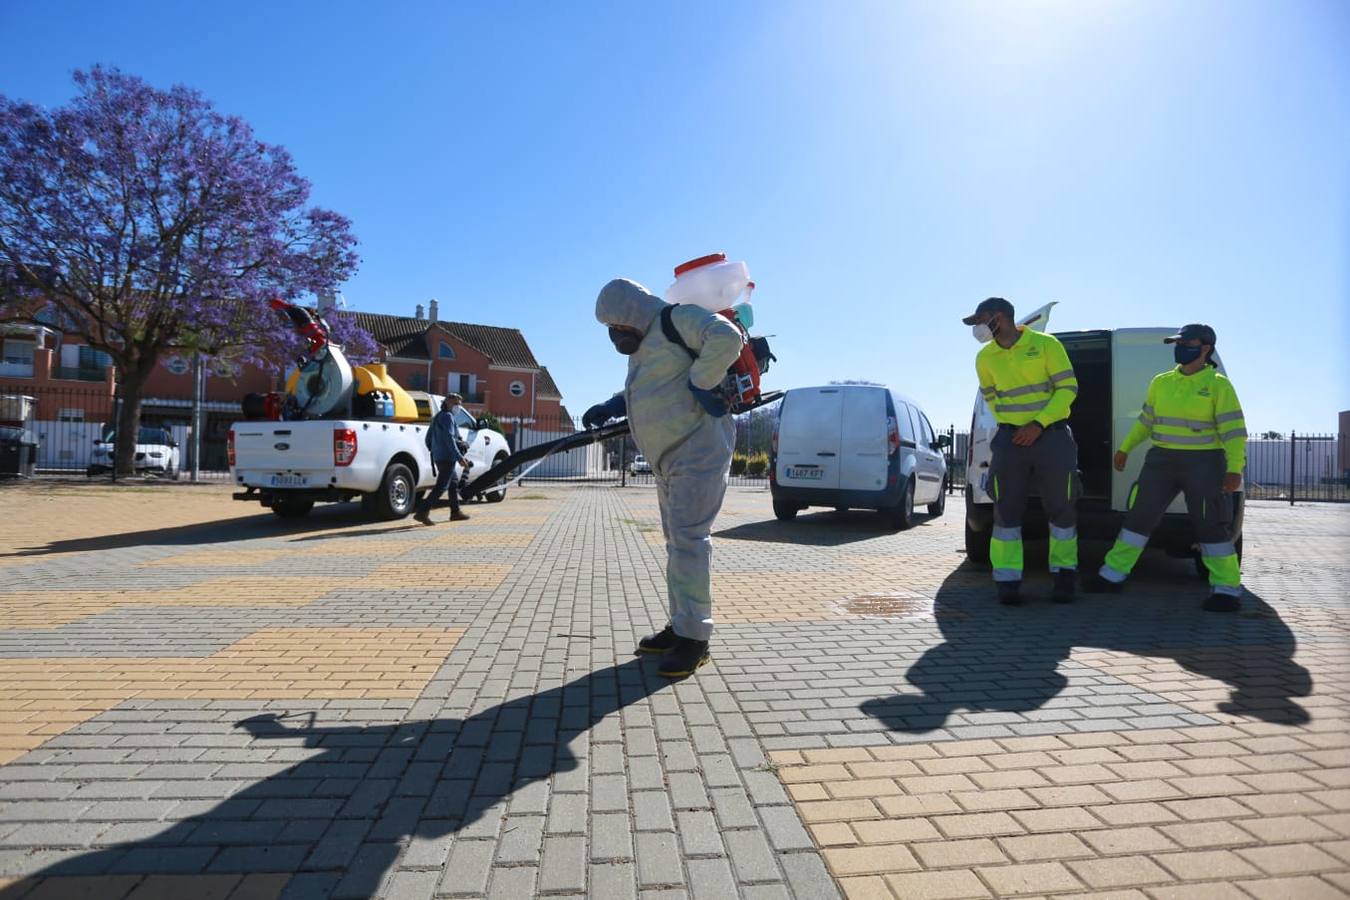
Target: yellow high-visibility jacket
1192	412
1031	381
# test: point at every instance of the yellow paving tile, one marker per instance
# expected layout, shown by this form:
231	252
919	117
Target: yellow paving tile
47	609
300	663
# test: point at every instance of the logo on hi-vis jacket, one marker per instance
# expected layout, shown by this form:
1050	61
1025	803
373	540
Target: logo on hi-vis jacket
1203	392
1033	352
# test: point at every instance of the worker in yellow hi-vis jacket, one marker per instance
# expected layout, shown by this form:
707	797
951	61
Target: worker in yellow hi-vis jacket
1026	379
1199	436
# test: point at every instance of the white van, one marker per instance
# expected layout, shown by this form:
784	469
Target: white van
856	446
1114	368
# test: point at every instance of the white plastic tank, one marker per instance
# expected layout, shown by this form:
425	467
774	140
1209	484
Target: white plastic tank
712	282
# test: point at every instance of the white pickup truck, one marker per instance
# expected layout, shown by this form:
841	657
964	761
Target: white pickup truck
291	465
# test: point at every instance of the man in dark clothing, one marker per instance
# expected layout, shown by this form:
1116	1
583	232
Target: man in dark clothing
443	442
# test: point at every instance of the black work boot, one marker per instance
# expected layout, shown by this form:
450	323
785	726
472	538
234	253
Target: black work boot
423	515
684	658
1065	582
1010	593
1222	603
660	642
1096	584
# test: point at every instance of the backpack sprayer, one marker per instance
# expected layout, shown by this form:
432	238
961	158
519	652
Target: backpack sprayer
712	283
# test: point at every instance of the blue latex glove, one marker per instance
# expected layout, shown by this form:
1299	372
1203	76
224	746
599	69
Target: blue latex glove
613	408
712	404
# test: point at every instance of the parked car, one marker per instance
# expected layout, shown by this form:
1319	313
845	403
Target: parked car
156	453
289	466
1114	367
640	466
856	446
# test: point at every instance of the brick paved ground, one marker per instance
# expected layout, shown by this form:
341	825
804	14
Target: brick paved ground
200	701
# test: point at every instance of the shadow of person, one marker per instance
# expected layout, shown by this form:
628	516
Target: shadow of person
1013	659
345	814
220	531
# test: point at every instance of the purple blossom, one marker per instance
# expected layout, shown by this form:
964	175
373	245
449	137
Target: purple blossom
156	223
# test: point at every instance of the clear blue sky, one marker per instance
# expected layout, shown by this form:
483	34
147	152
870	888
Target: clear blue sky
880	166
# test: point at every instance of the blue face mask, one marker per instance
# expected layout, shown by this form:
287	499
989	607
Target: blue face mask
1185	355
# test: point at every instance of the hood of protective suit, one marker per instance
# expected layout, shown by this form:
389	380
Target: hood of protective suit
624	302
662	413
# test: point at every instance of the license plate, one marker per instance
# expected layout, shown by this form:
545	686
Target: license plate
805	474
289	481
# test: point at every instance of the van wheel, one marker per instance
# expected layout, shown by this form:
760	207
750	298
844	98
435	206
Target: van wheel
977	544
901	516
785	511
939	506
1203	571
292	509
397	494
497	496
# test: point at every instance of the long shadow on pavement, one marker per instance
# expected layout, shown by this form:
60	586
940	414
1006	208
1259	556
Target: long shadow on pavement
242	528
1002	659
339	820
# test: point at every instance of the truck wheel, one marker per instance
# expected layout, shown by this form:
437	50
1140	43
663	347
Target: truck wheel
939	506
977	544
497	496
785	511
901	515
292	509
398	494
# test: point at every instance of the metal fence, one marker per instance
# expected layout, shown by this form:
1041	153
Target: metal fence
1298	467
69	422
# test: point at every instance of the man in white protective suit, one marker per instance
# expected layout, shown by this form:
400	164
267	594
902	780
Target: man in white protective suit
681	426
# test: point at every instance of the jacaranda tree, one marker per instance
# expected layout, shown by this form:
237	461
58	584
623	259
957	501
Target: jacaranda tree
151	223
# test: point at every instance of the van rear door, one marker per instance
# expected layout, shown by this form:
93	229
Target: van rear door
1137	355
864	455
809	432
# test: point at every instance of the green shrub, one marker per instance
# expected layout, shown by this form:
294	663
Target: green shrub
757	465
738	463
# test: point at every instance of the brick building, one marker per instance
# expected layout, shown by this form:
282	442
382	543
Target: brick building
74	385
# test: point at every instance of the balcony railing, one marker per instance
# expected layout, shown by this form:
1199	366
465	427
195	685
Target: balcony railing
72	373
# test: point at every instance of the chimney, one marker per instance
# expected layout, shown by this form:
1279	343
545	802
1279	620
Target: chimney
435	314
421	314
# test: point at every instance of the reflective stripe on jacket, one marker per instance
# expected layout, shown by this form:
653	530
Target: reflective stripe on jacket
1031	381
1192	412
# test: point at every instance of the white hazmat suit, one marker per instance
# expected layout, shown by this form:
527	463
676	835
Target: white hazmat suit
690	450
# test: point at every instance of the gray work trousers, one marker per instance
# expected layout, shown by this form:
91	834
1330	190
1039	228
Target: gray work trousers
1051	465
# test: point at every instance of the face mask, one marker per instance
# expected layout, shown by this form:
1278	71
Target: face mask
626	342
1185	355
982	333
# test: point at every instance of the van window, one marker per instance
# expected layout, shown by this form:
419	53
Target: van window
902	415
926	428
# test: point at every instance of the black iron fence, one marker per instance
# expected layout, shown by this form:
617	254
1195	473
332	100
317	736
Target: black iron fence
69	424
1294	467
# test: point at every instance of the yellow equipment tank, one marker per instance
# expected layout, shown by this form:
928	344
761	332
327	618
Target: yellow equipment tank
375	377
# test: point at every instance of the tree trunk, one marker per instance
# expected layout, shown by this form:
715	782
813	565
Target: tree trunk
131	387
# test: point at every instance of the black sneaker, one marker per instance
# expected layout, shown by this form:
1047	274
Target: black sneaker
423	516
1099	585
1010	593
1222	603
660	642
684	658
1065	582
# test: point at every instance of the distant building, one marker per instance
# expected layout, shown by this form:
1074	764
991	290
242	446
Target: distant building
493	368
